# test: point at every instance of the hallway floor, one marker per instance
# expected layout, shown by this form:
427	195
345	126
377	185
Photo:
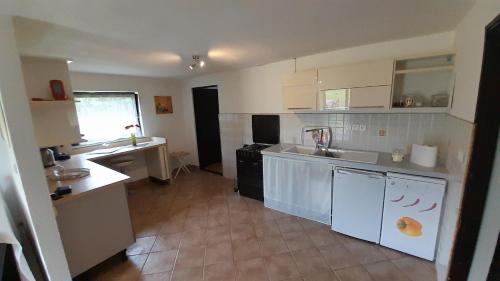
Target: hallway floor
197	228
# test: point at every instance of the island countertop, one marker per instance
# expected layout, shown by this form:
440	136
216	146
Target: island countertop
100	176
384	163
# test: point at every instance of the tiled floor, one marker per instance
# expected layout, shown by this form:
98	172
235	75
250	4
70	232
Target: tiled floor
197	228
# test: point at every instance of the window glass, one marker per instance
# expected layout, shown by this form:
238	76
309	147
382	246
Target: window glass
336	99
103	116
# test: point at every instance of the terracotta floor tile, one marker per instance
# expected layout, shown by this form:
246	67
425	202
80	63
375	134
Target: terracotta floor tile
196	223
288	224
242	231
188	274
416	269
142	245
392	254
252	270
172	227
218	234
385	271
355	273
220	272
297	241
321	276
163	276
193	238
246	249
190	257
309	224
166	242
272	245
321	236
219	253
159	262
310	261
266	228
365	252
129	270
280	267
337	256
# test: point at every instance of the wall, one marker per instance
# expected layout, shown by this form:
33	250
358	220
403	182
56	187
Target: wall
171	126
38	72
469	46
54	123
258	89
401	131
490	225
29	175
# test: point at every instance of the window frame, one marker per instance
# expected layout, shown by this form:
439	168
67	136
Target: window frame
112	93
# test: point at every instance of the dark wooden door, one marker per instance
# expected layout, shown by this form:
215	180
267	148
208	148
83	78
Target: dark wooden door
206	113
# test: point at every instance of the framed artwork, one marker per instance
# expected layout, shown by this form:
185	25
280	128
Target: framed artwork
57	88
163	104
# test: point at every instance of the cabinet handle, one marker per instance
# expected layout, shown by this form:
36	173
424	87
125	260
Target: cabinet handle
294	108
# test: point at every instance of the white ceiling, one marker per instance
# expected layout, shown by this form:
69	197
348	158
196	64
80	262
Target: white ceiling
158	37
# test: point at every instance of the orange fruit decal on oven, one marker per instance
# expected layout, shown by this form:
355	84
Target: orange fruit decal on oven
409	226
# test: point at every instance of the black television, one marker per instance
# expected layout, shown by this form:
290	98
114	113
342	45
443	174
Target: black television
266	129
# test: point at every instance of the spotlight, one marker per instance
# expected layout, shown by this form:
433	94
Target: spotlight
196	62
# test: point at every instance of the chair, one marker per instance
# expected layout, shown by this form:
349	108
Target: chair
179	156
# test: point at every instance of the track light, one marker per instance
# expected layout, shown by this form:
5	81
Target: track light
196	62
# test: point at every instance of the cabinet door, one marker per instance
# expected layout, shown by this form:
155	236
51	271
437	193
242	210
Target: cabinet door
299	97
370	97
308	77
300	188
377	73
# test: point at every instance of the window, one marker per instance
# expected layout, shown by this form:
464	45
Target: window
102	116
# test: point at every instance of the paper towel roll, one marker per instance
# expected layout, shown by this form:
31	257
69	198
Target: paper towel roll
424	155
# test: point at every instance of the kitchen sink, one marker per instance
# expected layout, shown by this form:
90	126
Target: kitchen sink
340	154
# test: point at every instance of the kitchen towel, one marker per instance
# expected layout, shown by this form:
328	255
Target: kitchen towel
424	155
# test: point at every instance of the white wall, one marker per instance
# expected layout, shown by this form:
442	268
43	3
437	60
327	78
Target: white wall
38	72
258	89
55	123
30	176
170	126
469	46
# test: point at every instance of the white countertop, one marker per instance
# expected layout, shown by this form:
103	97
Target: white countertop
100	176
384	163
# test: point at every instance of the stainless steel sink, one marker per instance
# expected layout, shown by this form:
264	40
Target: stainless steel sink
340	154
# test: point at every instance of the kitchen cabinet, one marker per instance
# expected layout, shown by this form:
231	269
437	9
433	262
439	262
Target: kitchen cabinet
300	90
375	73
300	188
355	98
412	211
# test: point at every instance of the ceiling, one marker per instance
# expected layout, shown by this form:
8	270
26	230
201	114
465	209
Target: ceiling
158	37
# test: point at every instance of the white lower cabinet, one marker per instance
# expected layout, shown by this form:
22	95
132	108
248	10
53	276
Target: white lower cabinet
300	188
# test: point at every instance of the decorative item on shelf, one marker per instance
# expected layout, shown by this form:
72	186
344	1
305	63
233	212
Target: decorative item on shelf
409	102
163	104
399	101
133	137
57	88
397	156
439	100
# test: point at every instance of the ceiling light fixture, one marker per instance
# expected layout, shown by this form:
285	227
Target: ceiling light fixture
197	61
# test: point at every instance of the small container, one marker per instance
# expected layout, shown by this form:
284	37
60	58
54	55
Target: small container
397	156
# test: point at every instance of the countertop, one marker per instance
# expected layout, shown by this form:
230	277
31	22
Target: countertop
100	177
384	163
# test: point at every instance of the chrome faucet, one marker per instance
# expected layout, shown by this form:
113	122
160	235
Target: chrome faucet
320	142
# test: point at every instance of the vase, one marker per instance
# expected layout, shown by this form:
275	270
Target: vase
133	139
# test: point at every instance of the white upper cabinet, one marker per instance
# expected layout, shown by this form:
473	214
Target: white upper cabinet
370	97
300	90
375	73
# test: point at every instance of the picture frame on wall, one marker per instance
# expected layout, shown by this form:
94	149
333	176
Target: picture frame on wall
163	104
57	88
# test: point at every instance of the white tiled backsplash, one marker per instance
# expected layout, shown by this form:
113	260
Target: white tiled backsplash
356	131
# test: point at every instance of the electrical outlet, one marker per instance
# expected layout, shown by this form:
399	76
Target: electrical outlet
381	132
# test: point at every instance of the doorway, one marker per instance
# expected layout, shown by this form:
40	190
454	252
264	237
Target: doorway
206	116
481	182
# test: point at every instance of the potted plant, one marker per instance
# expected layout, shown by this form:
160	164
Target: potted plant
133	137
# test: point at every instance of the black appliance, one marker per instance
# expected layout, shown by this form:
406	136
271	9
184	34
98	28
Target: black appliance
265	131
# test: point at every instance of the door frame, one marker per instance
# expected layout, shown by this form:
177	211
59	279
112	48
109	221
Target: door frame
195	130
482	156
